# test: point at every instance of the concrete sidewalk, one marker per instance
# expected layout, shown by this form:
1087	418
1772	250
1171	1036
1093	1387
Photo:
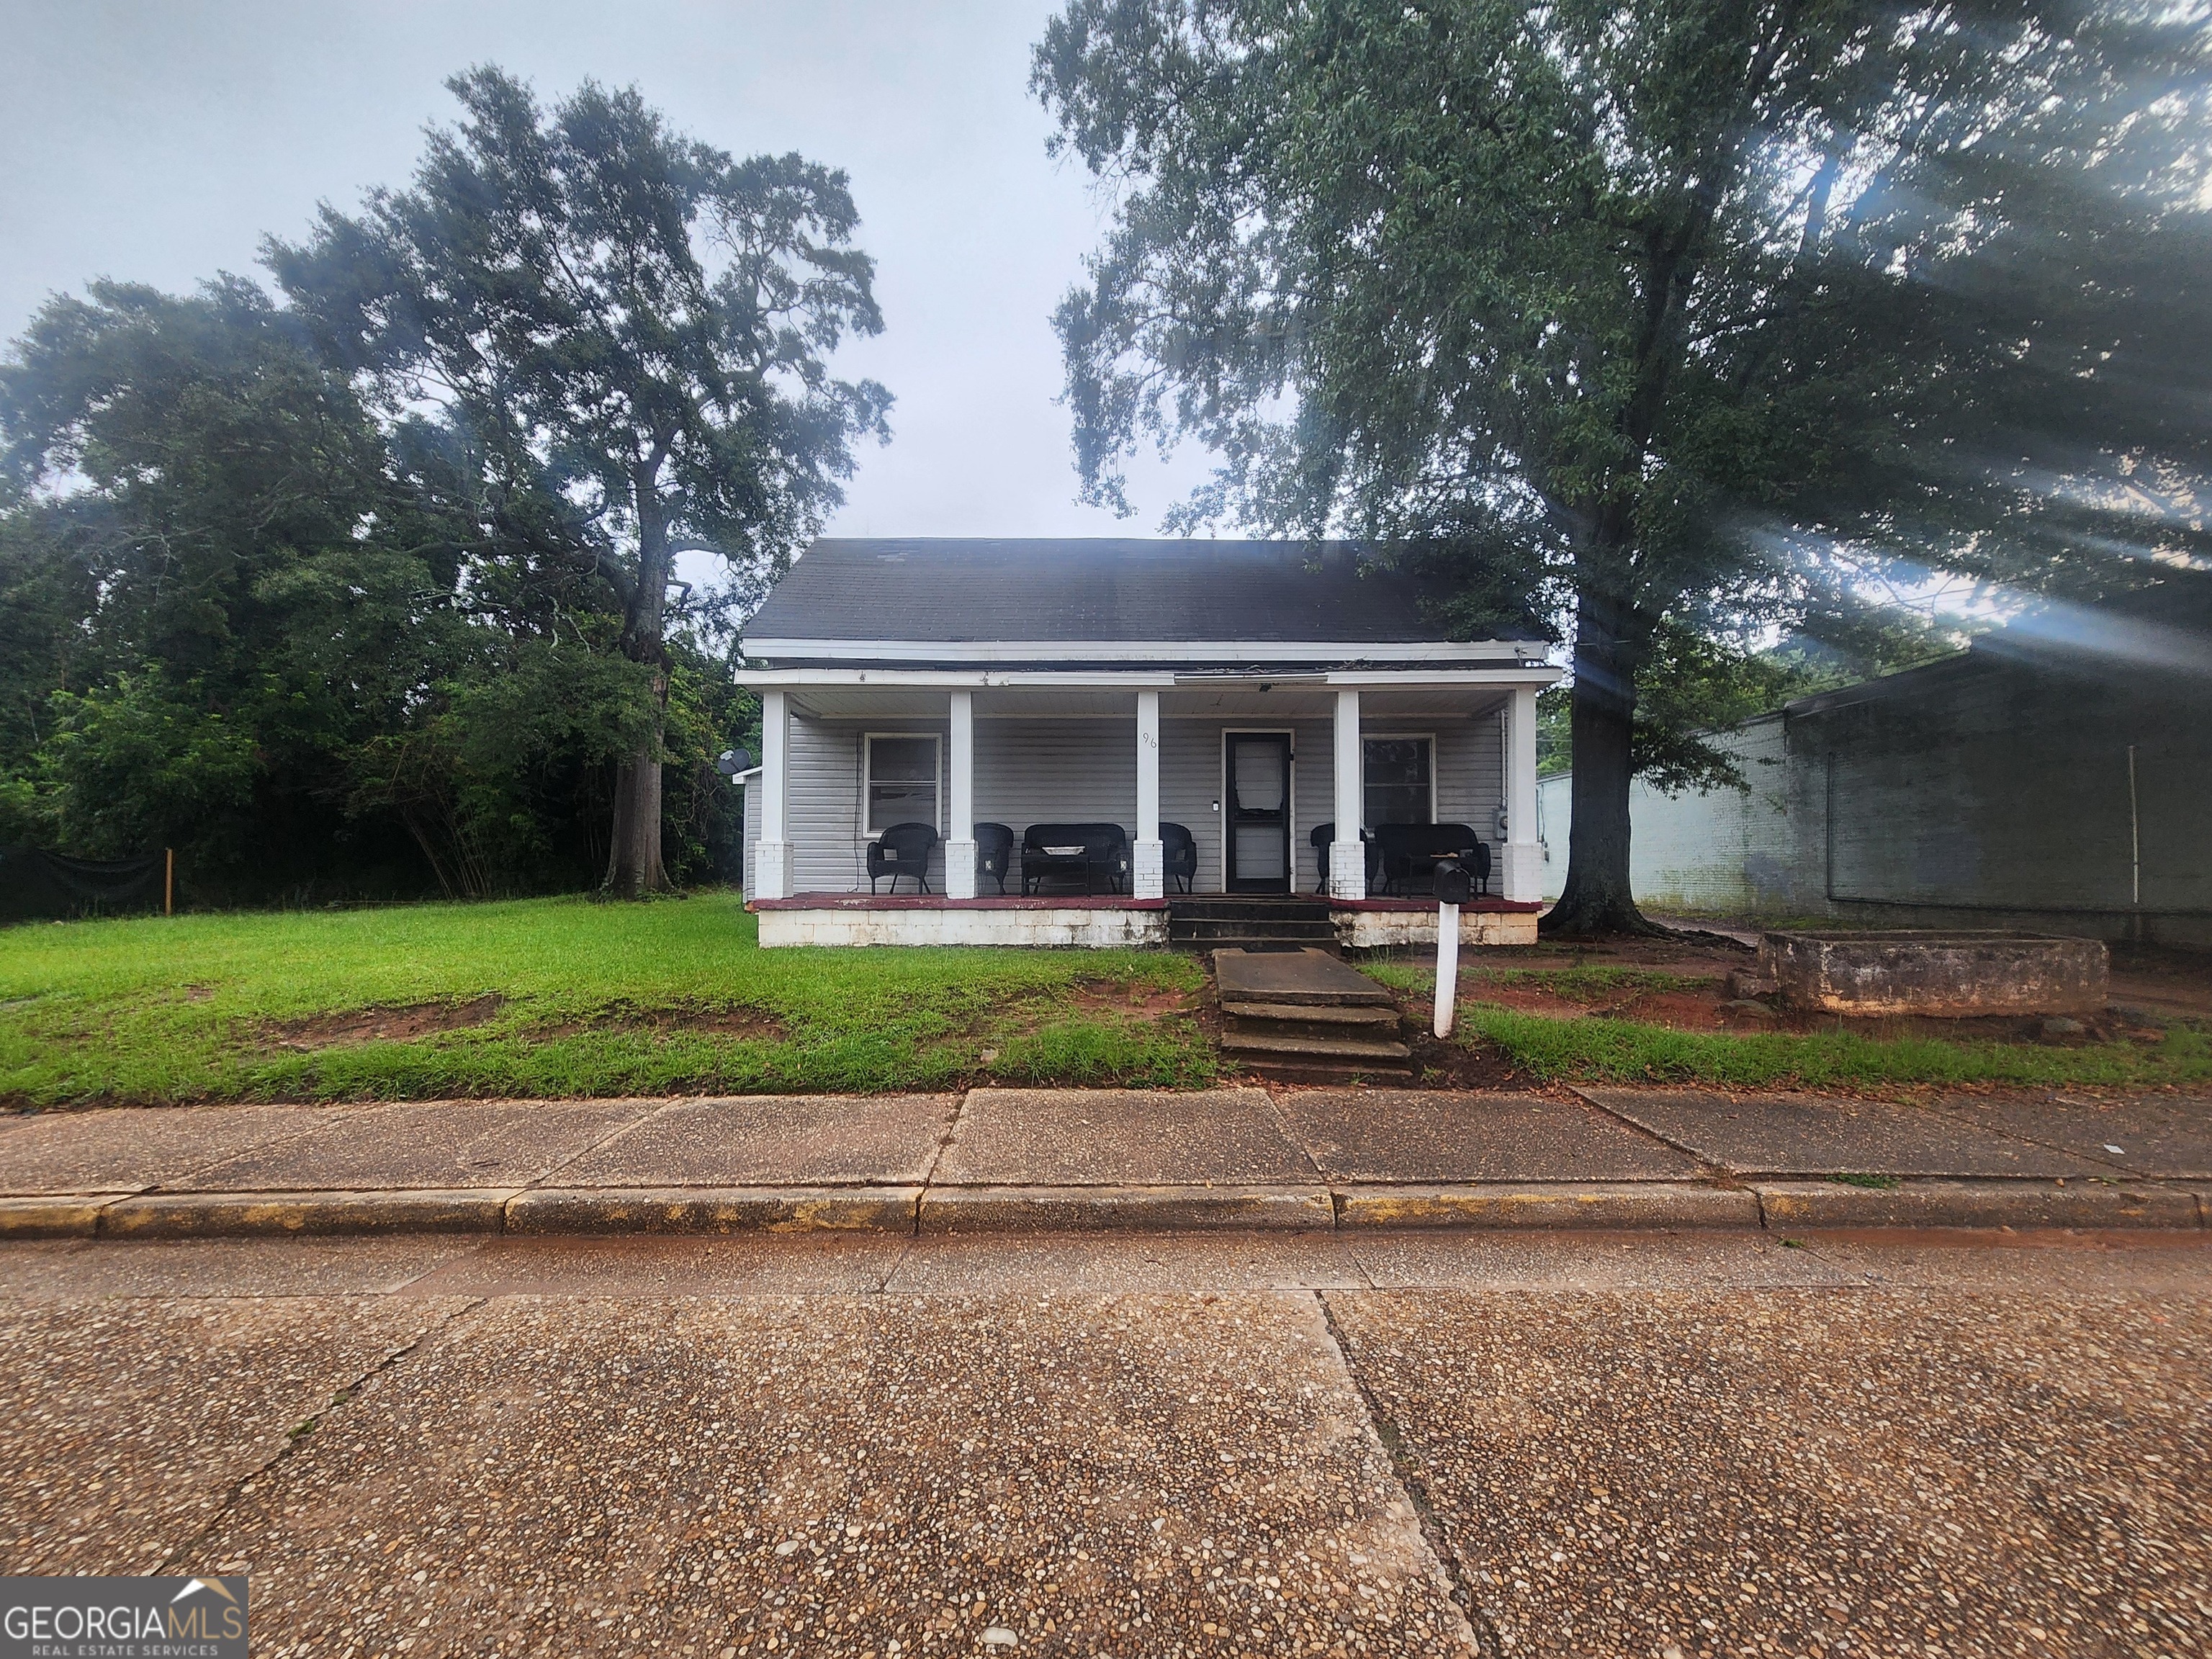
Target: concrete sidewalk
995	1160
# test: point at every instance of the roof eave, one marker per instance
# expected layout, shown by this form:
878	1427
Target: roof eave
1230	655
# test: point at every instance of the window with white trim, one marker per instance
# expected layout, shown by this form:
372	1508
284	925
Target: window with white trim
1401	781
900	781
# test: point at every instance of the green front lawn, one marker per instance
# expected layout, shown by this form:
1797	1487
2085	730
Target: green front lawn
570	997
1595	1049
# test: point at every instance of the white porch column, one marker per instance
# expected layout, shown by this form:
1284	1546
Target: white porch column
960	821
1520	873
1148	857
772	856
1347	859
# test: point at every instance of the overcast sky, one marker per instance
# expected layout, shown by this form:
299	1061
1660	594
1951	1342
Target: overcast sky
158	142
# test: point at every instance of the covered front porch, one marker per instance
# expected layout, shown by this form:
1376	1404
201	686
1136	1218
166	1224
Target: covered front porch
1218	785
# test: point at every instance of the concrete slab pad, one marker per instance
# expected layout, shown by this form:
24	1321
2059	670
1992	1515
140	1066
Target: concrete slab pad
1111	1209
1434	1135
1125	1475
218	1215
1097	1137
1786	1134
2017	1204
713	1209
1294	977
230	1267
773	1141
736	1264
424	1144
1499	1259
1586	1204
1872	1472
1146	1263
127	1426
130	1149
2166	1135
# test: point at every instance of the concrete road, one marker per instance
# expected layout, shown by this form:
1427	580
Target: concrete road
1444	1443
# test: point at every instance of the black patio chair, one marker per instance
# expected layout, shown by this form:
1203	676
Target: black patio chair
901	850
1412	852
1089	852
1181	850
1323	835
995	853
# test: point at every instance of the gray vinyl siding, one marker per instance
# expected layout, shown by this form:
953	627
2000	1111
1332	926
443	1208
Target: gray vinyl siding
826	819
752	820
1056	771
1045	771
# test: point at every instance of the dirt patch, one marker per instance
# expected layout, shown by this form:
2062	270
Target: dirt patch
1141	1002
1706	1004
731	1020
398	1025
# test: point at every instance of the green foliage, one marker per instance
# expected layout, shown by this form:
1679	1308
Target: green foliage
326	654
1686	320
633	329
600	999
130	766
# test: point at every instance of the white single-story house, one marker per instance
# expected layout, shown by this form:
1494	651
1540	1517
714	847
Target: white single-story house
1094	737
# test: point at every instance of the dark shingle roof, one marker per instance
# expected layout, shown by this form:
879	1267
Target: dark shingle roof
1069	591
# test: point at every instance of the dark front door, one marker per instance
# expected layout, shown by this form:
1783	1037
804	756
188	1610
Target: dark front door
1259	813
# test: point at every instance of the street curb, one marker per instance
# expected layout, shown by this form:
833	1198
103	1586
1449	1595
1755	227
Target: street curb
2016	1204
67	1216
1503	1204
906	1210
222	1215
713	1209
1122	1209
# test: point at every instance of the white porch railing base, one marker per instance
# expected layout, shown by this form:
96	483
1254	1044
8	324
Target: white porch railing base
1347	870
1520	871
960	869
771	870
1148	869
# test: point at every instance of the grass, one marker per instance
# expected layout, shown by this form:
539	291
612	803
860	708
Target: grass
678	997
1600	1049
599	1000
1586	983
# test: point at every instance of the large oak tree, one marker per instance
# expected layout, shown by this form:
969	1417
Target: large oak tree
1682	317
622	320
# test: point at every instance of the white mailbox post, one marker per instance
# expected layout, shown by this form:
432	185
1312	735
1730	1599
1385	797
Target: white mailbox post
1451	885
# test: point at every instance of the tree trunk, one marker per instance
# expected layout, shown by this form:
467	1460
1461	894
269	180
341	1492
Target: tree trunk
634	865
1597	898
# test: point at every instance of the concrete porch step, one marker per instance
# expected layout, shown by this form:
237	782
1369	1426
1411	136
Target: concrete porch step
1304	979
1378	1015
1208	931
1237	908
1387	1050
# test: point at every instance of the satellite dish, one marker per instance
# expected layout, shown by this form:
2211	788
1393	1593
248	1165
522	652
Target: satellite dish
730	762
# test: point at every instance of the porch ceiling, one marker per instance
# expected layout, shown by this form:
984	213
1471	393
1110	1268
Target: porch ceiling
1377	707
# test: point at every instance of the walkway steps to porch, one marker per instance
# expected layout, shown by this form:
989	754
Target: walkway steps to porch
1303	1015
1218	921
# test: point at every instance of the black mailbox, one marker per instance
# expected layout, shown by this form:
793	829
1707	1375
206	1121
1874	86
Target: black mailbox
1452	883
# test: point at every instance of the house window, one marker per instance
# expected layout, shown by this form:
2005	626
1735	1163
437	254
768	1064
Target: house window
1401	781
901	783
